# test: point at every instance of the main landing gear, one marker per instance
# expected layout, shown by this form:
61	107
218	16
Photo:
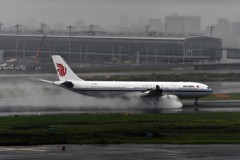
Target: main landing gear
196	103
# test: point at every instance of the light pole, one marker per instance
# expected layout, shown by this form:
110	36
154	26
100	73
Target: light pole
86	50
112	54
24	50
54	48
147	29
50	50
155	59
42	28
211	29
147	54
1	26
91	28
120	54
138	57
69	44
80	54
17	29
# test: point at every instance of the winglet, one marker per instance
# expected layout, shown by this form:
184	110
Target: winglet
63	70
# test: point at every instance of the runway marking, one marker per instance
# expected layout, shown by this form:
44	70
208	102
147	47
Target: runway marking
6	149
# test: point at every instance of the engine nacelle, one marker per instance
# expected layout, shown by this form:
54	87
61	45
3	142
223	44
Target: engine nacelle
67	84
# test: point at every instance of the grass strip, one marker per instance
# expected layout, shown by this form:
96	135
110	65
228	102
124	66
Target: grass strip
223	96
180	128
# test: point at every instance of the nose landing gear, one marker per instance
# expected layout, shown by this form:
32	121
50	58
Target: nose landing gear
196	103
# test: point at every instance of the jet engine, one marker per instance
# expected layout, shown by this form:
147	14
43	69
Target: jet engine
67	84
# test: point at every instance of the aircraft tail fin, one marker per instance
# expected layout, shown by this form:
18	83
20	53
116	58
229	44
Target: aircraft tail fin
63	70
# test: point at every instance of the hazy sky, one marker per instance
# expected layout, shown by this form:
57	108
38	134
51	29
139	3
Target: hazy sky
109	11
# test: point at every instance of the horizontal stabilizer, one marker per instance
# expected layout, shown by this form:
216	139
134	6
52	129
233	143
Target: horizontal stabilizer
43	80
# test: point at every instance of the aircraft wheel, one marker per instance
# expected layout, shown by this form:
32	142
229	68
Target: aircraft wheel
196	103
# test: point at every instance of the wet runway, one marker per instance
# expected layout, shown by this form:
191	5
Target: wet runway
188	107
213	106
122	151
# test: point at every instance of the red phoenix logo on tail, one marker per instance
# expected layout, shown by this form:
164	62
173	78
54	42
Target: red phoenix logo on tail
61	70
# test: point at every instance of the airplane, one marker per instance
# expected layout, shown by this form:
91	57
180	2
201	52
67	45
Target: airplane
126	89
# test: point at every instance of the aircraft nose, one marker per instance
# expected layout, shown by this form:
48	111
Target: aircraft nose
210	90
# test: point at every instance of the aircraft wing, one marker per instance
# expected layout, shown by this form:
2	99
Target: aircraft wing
47	81
157	92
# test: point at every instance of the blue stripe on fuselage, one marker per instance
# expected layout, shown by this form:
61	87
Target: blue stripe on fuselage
123	90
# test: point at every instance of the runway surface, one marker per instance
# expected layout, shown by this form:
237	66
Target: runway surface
122	151
205	106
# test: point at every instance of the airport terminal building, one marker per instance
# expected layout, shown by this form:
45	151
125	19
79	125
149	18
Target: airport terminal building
95	49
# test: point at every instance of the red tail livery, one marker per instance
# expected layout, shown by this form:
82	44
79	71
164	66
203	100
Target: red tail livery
61	70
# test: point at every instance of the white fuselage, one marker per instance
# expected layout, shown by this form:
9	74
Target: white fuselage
128	89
